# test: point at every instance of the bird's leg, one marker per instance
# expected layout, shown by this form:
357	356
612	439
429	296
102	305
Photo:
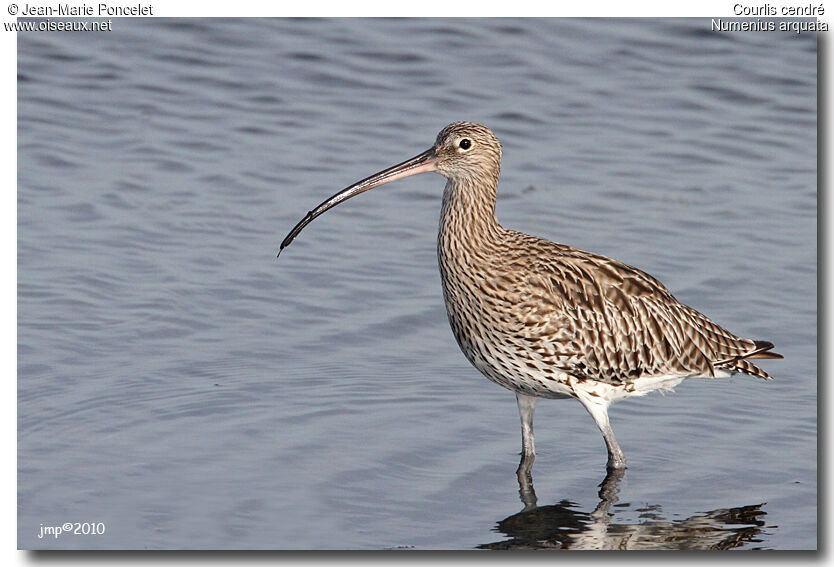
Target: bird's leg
599	411
526	407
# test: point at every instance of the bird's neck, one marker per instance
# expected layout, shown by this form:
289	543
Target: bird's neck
467	218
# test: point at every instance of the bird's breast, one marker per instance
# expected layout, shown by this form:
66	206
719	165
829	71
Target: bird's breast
498	323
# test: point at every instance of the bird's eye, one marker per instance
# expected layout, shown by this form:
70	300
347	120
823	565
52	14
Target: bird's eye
465	144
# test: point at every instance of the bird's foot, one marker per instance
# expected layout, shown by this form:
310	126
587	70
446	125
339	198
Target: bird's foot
616	463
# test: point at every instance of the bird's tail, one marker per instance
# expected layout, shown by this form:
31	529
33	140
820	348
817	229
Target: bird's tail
742	364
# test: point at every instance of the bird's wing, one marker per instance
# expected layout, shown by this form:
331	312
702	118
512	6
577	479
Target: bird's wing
613	322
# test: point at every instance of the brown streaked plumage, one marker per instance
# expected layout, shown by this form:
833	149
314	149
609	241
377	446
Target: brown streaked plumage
547	320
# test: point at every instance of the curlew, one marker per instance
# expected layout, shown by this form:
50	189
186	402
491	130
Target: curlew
548	320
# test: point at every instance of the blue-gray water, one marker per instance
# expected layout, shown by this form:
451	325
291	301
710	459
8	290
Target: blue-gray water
183	387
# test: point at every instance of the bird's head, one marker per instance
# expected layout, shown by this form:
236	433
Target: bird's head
462	151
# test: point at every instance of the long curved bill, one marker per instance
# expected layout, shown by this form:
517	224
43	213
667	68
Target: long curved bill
427	161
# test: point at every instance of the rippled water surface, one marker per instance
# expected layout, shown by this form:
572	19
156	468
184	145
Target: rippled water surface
183	387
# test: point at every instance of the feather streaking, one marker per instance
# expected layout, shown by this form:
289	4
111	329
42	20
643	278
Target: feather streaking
547	320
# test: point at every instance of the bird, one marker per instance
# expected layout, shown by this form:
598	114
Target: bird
548	320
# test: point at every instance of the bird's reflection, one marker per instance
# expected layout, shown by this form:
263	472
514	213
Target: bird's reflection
565	526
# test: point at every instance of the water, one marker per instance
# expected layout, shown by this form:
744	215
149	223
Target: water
179	385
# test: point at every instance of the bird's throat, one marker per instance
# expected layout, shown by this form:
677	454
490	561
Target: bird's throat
467	217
